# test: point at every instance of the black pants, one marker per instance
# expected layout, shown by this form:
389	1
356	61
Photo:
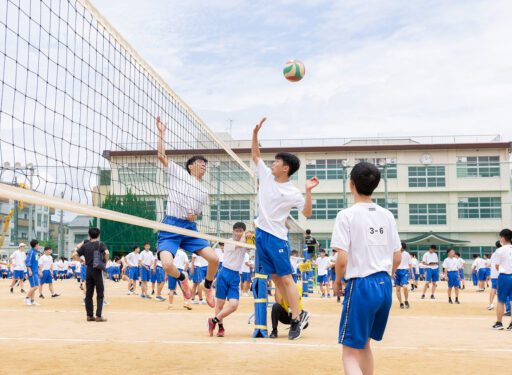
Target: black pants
279	314
94	279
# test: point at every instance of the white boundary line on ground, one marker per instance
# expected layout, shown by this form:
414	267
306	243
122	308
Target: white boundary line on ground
254	342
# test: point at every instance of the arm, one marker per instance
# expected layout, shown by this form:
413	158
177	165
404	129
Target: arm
397	258
341	266
192	265
107	255
161	146
186	267
154	265
255	148
308	206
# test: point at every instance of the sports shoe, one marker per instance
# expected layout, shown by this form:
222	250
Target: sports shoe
22	291
148	296
211	326
12	290
407	304
323	295
432	297
186	304
159	299
41	296
509	328
91	319
55	295
422	296
507	313
220	332
498	326
27	302
328	296
194	302
105	303
142	296
210	298
153	293
457	301
304	319
450	301
295	331
170	307
273	334
202	302
401	305
491	306
186	288
34	303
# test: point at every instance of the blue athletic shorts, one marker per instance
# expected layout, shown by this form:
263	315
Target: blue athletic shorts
34	279
134	273
273	253
432	275
504	287
482	274
47	277
83	272
422	271
322	279
168	241
197	276
401	277
228	284
453	279
494	284
145	275
246	276
461	273
294	275
365	310
171	281
152	274
19	274
416	275
159	275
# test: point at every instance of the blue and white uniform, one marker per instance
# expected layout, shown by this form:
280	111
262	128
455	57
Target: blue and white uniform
246	269
180	261
322	264
132	260
18	264
415	268
295	261
461	265
220	255
32	263
46	264
147	260
504	262
451	265
228	282
432	272
402	272
368	233
200	267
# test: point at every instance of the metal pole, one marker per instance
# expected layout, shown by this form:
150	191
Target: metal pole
344	187
218	200
30	208
99	196
14	239
386	185
61	232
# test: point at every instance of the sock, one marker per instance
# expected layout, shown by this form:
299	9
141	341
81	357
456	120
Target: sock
208	283
215	320
181	277
221	325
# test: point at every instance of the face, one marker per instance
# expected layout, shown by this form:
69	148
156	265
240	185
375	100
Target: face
278	168
137	249
146	247
48	252
22	248
431	250
322	254
451	254
237	234
198	168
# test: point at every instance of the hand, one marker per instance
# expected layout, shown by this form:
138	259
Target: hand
30	273
191	217
312	183
160	125
40	275
258	127
337	288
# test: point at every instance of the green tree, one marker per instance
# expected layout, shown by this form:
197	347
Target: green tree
120	237
50	242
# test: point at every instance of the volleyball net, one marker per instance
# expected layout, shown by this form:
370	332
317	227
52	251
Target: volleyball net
78	110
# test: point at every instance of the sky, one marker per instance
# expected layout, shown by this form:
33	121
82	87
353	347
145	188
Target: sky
373	68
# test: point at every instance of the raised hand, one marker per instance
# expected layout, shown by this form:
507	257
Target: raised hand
312	183
258	127
160	125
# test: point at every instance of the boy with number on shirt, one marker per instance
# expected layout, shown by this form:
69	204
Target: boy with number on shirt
451	274
277	195
401	276
368	247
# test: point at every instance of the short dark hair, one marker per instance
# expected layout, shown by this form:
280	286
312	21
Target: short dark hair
404	245
433	247
487	255
414	255
322	251
292	161
146	243
239	225
47	248
221	243
94	233
294	252
366	177
33	243
458	254
193	159
476	255
506	234
308	231
449	249
497	244
136	247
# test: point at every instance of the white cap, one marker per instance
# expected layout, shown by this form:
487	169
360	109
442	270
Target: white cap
22	245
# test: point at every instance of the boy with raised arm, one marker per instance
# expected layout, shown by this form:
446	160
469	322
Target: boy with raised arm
368	247
187	196
276	197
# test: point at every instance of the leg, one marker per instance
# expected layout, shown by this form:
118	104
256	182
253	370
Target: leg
229	309
450	292
218	307
89	287
168	264
289	291
398	294
366	359
100	289
350	358
425	287
500	311
40	288
159	288
434	286
406	294
213	262
456	292
491	296
171	296
52	291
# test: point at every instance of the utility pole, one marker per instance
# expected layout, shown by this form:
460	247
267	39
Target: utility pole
30	207
218	199
61	231
14	239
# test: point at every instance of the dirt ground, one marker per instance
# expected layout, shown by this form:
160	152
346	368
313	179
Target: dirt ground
142	336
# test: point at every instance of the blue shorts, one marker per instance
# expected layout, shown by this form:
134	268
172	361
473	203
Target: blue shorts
171	281
19	274
322	279
504	287
482	274
365	310
34	279
416	275
228	285
47	277
145	275
401	277
197	276
83	272
432	275
168	241
246	276
159	275
461	273
134	273
273	254
422	271
152	275
294	275
494	284
453	279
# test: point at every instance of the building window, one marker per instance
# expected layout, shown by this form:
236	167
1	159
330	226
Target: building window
478	166
431	176
324	244
232	210
136	173
325	209
38	220
480	208
293	177
105	177
330	169
294	213
229	171
427	214
392	205
390	170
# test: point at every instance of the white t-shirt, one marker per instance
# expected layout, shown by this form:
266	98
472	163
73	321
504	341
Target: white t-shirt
60	265
405	262
200	261
45	262
323	264
494	272
487	263
77	265
478	263
451	264
220	254
295	263
462	262
415	264
132	259
147	258
429	257
504	259
180	260
368	233
275	200
245	268
18	260
234	259
186	193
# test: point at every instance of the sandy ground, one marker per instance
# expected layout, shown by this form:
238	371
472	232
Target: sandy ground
142	336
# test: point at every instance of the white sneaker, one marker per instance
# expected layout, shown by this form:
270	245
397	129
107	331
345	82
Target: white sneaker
202	302
194	302
34	303
490	307
129	293
27	302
